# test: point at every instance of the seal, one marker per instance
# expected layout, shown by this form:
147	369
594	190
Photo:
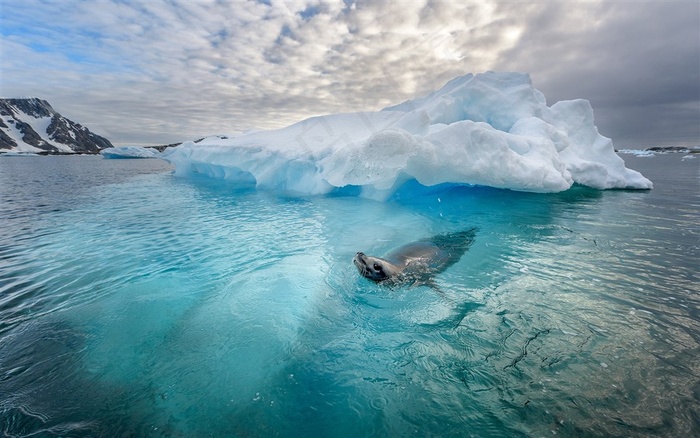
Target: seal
416	262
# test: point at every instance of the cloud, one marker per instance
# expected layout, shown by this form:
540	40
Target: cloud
163	71
638	64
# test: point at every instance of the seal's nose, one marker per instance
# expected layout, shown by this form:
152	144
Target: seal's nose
360	254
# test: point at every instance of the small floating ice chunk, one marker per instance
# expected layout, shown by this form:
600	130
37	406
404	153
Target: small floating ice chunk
129	152
637	152
17	154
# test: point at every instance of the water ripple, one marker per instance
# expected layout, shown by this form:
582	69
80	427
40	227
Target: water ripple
151	305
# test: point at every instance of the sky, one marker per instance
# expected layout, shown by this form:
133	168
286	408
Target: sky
150	72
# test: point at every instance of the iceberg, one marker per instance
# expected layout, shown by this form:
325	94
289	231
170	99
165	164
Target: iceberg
129	152
637	152
18	154
492	129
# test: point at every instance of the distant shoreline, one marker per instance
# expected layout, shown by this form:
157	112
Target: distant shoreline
661	150
693	150
76	154
161	148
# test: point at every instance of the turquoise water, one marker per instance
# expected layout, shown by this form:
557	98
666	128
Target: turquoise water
135	303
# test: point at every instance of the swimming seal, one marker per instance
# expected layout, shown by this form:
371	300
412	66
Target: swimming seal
418	261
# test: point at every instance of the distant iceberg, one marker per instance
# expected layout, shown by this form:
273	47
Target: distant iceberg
637	152
18	154
129	152
492	129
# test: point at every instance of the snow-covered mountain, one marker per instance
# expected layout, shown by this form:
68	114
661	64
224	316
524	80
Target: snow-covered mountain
32	125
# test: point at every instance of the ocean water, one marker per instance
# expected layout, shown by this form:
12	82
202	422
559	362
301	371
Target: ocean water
136	303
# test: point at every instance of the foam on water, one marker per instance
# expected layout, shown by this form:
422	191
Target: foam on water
154	305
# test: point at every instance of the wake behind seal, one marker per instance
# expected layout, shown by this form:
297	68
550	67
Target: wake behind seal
416	262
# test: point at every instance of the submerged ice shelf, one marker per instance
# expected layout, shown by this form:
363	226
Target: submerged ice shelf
492	129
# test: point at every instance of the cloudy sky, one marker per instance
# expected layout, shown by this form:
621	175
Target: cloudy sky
155	72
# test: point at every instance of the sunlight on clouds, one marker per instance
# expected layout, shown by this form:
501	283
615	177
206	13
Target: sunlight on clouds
300	58
225	66
511	35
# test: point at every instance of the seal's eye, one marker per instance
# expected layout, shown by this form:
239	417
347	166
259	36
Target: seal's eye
377	267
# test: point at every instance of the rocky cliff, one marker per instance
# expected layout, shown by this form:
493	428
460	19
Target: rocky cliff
32	125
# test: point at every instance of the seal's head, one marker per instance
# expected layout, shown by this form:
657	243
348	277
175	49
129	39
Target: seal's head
374	268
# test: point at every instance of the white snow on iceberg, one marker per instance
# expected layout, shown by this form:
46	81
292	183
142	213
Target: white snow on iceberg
492	129
129	152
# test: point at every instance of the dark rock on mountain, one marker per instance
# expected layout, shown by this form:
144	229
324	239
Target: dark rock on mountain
161	148
674	149
32	125
4	138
